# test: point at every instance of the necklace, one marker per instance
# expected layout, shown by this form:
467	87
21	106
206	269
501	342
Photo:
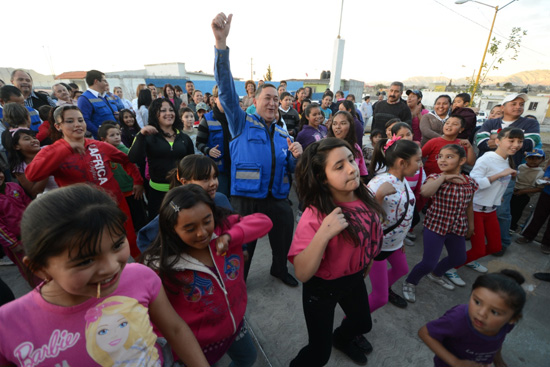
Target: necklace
168	135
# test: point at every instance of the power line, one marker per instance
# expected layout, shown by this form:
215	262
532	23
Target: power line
485	27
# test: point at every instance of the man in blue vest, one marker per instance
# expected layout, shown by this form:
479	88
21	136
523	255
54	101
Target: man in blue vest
262	156
95	107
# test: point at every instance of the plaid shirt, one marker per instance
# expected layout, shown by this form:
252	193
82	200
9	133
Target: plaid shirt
447	214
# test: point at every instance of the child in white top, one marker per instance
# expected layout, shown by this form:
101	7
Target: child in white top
492	172
404	130
403	158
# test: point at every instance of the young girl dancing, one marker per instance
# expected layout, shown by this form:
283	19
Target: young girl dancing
91	308
405	131
448	221
72	159
473	334
402	158
492	172
198	255
336	239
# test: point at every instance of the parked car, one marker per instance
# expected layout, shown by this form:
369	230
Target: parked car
481	118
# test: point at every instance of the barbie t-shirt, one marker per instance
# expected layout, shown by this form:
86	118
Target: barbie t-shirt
109	331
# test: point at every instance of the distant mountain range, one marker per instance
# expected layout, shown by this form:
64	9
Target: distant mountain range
531	77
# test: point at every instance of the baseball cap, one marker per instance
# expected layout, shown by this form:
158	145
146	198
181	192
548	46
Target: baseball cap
535	153
511	97
414	91
202	106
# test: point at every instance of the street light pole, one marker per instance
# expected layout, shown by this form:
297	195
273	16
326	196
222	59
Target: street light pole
488	39
484	53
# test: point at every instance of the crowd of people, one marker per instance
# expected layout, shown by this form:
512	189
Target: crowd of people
137	221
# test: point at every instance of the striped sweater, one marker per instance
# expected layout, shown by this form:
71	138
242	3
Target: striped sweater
530	127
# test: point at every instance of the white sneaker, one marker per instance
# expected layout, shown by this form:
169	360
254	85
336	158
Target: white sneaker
411	236
477	267
408	242
5	261
409	292
453	276
441	282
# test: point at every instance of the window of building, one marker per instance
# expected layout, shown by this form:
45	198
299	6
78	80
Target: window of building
533	106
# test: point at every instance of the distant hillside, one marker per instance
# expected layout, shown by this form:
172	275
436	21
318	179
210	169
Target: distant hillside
532	77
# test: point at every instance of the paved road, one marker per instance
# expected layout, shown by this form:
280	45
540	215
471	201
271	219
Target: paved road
276	319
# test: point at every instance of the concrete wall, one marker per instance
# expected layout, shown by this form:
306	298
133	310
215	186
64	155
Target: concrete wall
166	69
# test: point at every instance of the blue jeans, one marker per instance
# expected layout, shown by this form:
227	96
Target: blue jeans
242	351
504	214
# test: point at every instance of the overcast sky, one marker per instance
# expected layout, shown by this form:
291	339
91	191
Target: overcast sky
385	40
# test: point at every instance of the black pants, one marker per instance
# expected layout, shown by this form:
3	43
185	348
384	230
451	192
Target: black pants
6	295
138	212
154	200
319	299
517	204
537	220
280	236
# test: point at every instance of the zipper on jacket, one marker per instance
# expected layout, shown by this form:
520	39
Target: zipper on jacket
222	285
272	178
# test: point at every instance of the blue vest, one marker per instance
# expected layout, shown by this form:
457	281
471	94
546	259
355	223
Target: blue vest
215	137
35	117
36	121
253	172
115	100
101	111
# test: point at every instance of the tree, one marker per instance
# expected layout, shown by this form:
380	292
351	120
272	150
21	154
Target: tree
508	85
268	76
379	86
513	45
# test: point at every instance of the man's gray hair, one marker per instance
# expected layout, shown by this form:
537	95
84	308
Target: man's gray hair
399	84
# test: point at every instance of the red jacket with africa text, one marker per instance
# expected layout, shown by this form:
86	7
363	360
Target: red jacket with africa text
69	167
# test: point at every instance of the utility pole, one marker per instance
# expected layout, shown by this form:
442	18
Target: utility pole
337	58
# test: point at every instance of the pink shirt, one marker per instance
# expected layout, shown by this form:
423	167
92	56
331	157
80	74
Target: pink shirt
341	257
37	333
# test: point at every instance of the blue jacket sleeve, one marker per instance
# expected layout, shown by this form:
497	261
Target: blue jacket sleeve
229	98
147	234
291	162
87	109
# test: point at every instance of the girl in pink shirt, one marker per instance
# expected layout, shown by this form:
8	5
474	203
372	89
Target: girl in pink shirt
336	239
92	308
